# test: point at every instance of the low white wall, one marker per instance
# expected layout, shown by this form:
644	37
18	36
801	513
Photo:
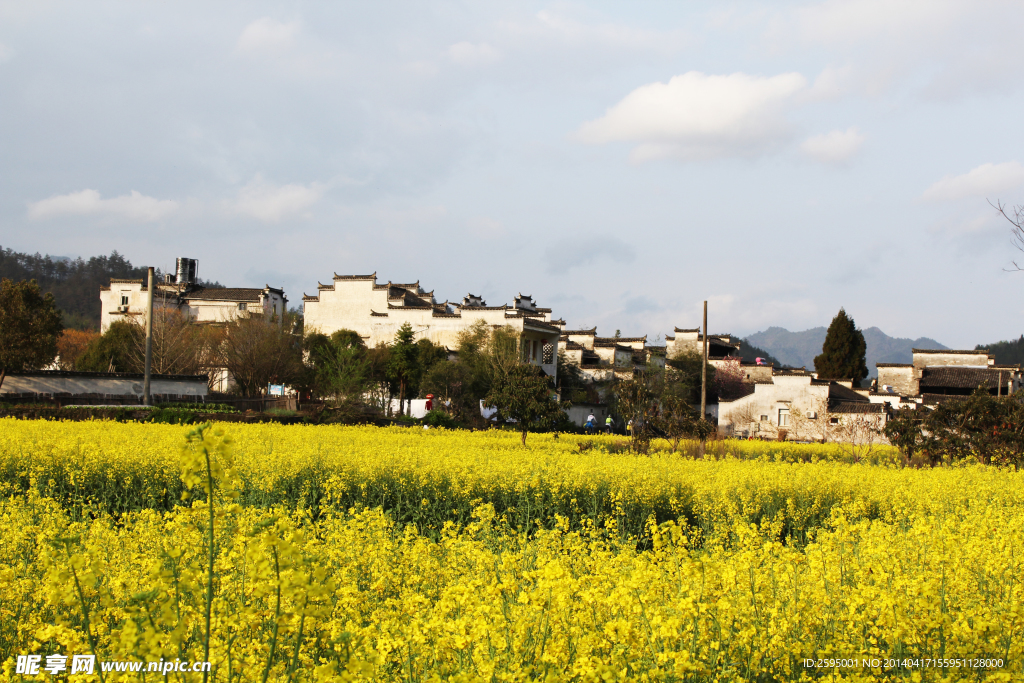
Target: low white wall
578	414
105	384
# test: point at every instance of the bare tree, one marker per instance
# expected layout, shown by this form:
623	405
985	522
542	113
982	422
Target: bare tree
180	346
1017	221
258	352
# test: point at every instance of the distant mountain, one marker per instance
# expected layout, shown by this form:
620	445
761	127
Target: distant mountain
749	353
798	349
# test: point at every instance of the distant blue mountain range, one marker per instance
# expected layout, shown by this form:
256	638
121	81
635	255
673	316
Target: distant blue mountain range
798	349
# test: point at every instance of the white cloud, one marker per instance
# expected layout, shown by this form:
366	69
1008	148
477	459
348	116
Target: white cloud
567	254
134	206
835	147
472	54
267	35
857	20
984	181
270	203
565	30
697	116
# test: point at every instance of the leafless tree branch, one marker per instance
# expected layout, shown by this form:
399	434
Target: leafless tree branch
1017	221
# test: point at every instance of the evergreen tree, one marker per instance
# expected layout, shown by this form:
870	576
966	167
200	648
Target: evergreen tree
29	326
402	362
842	354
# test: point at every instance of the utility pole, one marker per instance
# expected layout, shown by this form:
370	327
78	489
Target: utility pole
704	374
146	398
704	367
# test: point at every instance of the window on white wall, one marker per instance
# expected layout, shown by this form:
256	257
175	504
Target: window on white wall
124	298
783	417
242	306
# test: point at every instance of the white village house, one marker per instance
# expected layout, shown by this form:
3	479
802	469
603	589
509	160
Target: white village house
376	311
126	299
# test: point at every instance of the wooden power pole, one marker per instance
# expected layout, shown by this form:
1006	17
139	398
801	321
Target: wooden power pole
146	398
704	367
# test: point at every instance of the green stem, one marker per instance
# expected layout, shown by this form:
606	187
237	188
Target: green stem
277	617
85	614
209	575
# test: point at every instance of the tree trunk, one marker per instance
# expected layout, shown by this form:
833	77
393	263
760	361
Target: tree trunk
401	399
523	435
3	375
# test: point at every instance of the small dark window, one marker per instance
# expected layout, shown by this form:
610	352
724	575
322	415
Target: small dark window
124	299
242	306
549	352
833	420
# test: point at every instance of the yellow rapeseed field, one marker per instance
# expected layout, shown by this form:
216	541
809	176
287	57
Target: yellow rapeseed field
403	555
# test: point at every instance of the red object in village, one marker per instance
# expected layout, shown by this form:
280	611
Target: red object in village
430	402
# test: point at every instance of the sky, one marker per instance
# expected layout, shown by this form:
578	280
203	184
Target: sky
620	162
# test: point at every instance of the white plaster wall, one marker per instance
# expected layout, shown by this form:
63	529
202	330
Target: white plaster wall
794	392
977	360
116	386
903	380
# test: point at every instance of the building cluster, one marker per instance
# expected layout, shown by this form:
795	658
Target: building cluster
759	399
183	293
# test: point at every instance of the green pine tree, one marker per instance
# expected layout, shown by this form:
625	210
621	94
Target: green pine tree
842	355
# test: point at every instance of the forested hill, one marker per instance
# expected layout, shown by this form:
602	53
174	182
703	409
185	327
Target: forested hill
1006	352
74	283
749	353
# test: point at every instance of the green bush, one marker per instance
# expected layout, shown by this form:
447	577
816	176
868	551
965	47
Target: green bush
439	418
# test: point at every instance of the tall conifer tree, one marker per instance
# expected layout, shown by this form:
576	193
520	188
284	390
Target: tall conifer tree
842	355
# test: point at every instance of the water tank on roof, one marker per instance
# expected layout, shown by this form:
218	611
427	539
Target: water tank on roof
185	271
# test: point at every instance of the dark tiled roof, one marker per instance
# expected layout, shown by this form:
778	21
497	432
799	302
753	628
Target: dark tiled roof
621	339
572	346
415	305
121	375
838	391
611	344
588	333
356	277
320	285
857	407
741	391
309	297
963	351
695	329
894	365
126	281
935	399
225	294
961	378
375	314
539	323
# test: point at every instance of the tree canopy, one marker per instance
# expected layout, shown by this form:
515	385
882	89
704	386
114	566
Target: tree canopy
842	355
523	393
29	326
